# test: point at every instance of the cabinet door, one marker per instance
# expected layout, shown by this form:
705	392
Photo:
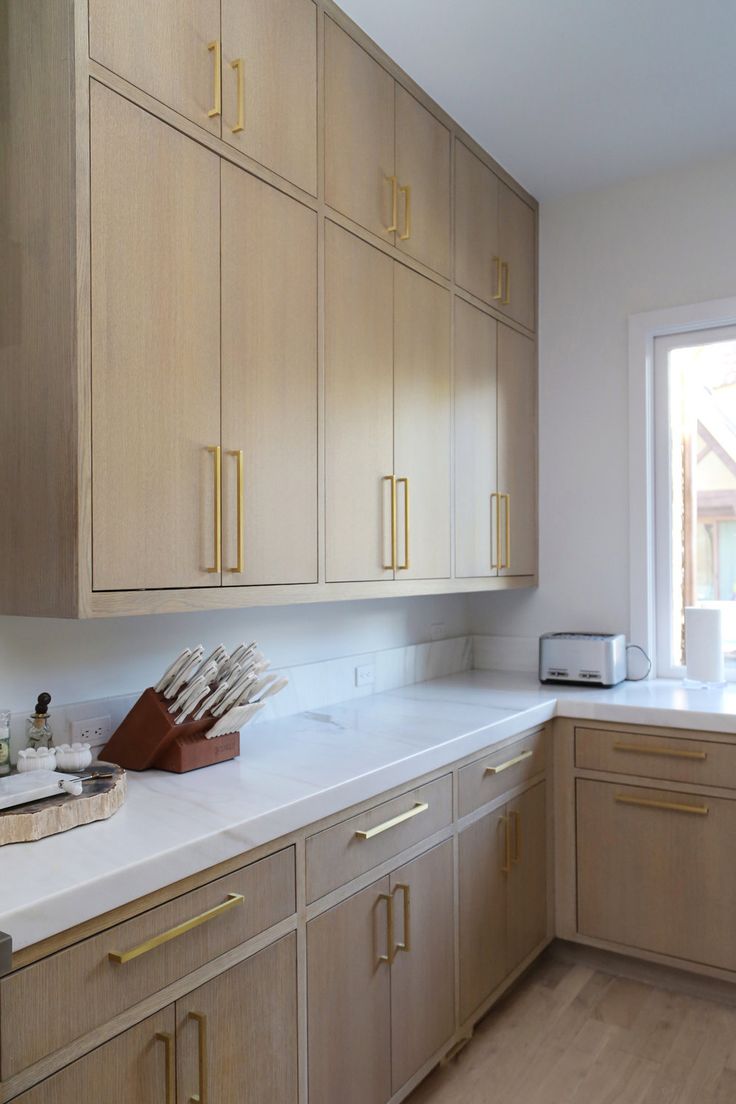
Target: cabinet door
527	886
349	1000
477	246
483	877
476	551
423	171
269	384
270	85
654	876
163	49
237	1035
359	134
359	381
137	1067
422	426
155	350
516	223
517	451
423	971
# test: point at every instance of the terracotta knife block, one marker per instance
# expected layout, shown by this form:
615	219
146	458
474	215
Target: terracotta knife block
148	739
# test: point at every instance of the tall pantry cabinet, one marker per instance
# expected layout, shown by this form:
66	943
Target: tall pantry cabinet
267	323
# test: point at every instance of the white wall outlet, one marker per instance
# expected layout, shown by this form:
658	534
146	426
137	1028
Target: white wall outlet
365	675
437	632
94	731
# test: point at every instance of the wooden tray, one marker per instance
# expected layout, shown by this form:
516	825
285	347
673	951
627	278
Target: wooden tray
100	799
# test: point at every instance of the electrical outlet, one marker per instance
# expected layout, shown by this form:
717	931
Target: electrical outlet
94	731
437	631
365	675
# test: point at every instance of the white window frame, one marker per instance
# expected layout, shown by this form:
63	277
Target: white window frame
643	330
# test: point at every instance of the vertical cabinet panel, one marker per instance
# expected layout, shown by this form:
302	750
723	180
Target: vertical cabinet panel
358	407
349	995
475	442
237	1035
137	1067
423	971
359	133
518	249
269	383
155	350
162	48
517	451
422	426
527	917
476	226
423	171
274	97
483	912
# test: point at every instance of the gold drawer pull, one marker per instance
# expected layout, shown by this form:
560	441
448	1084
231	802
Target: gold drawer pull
419	807
672	806
499	281
238	66
406	891
121	958
406	190
393	181
202	1096
674	753
506	865
405	481
507	281
240	509
390	949
216	451
168	1041
216	49
510	762
394	545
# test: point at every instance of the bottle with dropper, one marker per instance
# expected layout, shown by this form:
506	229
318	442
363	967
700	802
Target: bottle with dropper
39	732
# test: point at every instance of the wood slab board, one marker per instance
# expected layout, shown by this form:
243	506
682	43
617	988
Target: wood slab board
100	800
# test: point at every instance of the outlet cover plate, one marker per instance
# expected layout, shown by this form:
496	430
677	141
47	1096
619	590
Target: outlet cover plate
365	675
95	731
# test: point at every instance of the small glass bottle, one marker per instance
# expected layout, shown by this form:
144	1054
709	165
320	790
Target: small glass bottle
4	741
38	727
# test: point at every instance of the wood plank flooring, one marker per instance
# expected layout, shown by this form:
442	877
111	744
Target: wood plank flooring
569	1034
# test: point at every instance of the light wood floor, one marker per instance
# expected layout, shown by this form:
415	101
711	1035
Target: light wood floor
569	1034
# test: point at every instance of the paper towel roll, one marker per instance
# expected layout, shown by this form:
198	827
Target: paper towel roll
704	645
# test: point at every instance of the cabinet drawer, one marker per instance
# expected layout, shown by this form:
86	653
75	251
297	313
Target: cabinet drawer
502	770
338	854
62	997
671	758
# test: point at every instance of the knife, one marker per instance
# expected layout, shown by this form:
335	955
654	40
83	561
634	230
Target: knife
214	657
233	721
274	688
192	702
237	690
217	695
172	670
186	692
185	674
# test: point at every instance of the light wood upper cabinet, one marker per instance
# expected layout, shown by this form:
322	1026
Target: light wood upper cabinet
518	249
236	1036
162	48
475	442
359	381
269	384
155	350
476	226
422	426
269	79
359	134
517	451
423	175
137	1067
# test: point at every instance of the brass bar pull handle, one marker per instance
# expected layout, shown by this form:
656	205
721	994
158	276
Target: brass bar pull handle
500	767
419	807
121	957
405	565
515	818
240	462
393	181
671	806
506	864
496	499
216	49
674	753
390	954
405	945
392	480
216	451
506	499
499	281
202	1096
239	67
507	283
168	1041
406	191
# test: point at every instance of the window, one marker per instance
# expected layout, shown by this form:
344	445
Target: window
695	486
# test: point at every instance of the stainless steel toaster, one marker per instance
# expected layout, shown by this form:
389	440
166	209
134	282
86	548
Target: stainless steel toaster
590	659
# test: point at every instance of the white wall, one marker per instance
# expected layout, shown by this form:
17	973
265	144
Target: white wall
83	660
656	242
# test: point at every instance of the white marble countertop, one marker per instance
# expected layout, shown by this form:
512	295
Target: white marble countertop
295	771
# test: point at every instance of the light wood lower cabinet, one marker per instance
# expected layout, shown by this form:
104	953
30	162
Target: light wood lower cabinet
381	982
503	894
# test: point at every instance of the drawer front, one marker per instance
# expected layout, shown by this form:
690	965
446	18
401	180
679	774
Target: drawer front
670	758
61	998
495	774
655	871
338	854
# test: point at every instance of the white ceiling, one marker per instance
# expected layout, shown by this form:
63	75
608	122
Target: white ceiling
572	94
